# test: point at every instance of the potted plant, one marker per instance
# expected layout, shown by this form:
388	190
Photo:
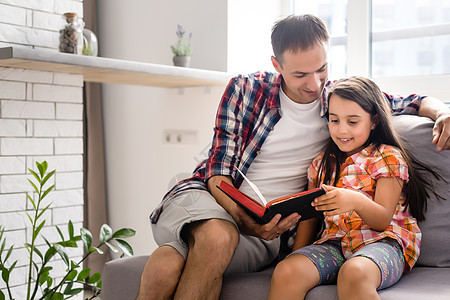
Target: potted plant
41	282
182	49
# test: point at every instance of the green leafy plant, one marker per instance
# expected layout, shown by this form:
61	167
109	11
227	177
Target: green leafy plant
40	282
182	47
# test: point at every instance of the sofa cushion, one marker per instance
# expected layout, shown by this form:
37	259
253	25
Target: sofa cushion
416	133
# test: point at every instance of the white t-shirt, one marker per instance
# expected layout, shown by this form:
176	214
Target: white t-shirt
280	167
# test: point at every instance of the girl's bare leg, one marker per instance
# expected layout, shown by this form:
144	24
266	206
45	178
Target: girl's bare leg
293	278
359	278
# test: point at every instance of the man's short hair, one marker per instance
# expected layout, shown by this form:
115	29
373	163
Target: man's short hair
297	32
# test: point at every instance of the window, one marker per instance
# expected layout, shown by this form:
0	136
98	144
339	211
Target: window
410	37
334	14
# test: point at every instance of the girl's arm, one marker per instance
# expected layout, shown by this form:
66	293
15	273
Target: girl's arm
306	231
377	213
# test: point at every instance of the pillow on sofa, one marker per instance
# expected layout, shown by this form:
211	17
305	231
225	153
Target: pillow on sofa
416	133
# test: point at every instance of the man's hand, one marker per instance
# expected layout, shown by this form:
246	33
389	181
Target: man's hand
439	112
268	231
441	133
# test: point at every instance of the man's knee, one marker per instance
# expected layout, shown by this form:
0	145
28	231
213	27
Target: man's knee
165	262
161	273
214	235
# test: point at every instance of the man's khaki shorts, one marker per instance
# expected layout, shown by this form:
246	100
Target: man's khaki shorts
251	255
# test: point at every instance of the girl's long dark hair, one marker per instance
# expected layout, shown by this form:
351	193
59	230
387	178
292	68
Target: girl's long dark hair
368	95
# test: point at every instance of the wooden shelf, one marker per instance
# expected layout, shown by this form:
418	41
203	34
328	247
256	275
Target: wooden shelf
107	70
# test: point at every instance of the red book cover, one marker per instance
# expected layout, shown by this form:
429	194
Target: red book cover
299	202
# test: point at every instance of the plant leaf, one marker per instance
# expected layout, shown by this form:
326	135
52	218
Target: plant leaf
94	278
60	233
71	276
126	248
9	252
112	247
99	284
58	296
38	229
41	168
47	191
49	254
40	214
29	218
73	292
70	244
43	277
36	250
95	249
5	274
47	178
32	201
86	237
35	176
62	252
46	269
3	245
84	274
13	266
49	281
2	296
70	228
74	265
124	233
105	233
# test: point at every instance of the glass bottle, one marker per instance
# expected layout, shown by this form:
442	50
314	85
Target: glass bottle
71	35
90	45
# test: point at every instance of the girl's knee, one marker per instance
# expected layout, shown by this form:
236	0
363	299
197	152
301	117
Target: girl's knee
285	272
359	271
296	269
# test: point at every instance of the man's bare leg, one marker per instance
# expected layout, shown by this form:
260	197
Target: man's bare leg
161	274
211	247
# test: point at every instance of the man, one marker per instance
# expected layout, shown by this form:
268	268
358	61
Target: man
269	126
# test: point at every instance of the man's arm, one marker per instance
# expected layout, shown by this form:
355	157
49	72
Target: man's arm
439	112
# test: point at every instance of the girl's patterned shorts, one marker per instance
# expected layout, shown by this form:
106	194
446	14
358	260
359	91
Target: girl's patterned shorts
328	258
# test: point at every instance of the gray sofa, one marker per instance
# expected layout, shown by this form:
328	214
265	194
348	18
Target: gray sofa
429	279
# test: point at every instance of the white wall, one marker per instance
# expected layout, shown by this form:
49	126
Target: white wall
140	165
41	118
250	25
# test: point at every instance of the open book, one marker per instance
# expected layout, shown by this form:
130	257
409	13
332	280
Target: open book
264	211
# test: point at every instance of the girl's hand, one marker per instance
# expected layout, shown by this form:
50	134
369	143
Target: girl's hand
338	200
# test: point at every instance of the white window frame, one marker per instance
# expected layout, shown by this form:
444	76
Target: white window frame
359	38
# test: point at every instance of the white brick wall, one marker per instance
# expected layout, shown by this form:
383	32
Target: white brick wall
41	118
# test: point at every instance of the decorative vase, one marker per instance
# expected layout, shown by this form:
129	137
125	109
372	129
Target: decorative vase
90	43
181	61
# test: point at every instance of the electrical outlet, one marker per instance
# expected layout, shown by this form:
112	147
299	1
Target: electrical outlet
180	137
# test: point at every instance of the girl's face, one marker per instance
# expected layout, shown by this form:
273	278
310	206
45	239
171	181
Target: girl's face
350	125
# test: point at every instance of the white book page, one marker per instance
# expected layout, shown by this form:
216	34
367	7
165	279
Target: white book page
254	188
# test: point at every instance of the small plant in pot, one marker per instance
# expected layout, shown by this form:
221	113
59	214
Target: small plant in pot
182	49
41	283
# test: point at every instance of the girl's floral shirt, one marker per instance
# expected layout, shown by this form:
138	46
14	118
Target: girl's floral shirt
360	172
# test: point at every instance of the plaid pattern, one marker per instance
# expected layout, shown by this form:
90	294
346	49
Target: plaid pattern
360	172
248	111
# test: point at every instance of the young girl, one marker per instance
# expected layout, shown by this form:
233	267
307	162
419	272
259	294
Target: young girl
371	235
